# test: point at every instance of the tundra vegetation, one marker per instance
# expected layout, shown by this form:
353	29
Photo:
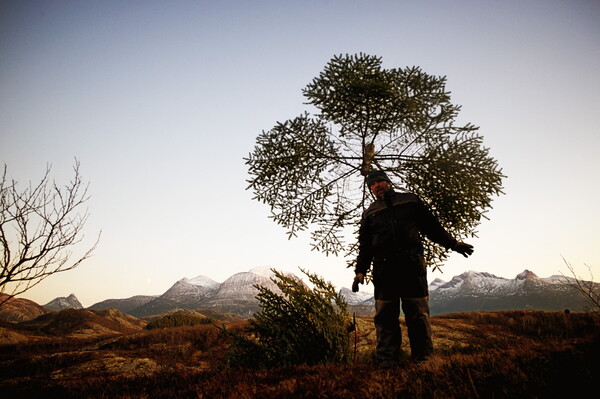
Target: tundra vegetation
503	354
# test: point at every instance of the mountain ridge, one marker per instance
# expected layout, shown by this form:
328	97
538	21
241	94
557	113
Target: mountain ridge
468	291
480	291
61	303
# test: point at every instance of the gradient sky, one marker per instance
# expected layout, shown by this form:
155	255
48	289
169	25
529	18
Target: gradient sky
161	100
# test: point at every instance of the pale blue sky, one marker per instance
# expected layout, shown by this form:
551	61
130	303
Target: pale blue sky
161	100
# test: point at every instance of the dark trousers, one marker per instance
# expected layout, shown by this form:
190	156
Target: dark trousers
389	336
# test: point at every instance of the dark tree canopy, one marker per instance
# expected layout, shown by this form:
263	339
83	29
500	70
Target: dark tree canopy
310	169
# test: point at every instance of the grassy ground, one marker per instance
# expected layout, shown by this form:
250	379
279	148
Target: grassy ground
478	355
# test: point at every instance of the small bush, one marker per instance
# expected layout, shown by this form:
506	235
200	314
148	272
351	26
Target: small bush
298	326
178	320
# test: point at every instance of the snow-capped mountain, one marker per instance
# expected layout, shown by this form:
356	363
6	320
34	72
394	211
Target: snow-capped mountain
356	298
185	294
235	295
436	283
266	271
60	303
203	281
191	290
241	286
470	291
238	293
476	291
478	284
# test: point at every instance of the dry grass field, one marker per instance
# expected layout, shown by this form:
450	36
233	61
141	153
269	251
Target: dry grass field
513	354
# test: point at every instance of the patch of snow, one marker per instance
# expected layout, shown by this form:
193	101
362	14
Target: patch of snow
355	298
435	284
264	271
202	281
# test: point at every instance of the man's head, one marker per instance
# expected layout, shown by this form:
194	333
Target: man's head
379	183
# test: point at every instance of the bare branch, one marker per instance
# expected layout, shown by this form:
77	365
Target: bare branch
589	289
39	227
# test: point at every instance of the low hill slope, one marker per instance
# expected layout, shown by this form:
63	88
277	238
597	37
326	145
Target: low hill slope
16	310
83	323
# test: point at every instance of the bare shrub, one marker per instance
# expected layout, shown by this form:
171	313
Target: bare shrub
588	288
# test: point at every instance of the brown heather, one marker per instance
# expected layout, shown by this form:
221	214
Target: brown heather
514	354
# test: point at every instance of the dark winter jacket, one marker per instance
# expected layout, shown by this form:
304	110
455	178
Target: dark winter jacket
390	238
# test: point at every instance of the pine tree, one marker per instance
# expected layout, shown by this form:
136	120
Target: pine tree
300	325
310	169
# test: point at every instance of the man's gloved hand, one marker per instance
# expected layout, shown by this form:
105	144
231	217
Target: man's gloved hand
463	248
359	278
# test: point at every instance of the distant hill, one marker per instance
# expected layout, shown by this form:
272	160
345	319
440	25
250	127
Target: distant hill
19	309
89	323
83	323
126	305
199	313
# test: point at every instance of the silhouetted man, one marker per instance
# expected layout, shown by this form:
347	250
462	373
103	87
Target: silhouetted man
390	238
